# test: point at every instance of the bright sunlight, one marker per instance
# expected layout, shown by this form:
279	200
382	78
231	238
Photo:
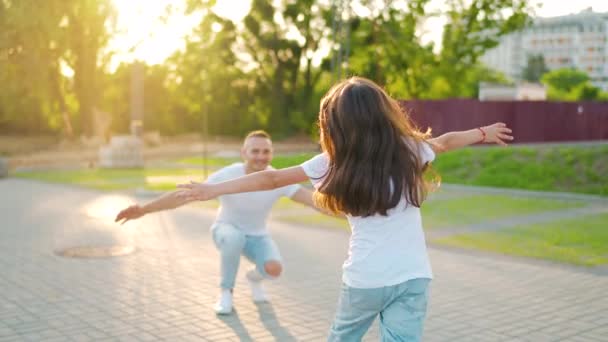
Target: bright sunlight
152	30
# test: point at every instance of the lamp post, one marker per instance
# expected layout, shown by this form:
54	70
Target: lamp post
205	137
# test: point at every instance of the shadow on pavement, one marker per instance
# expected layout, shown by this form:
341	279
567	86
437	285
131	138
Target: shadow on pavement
272	324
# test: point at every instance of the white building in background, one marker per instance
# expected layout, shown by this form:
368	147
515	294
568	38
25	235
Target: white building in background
518	92
572	41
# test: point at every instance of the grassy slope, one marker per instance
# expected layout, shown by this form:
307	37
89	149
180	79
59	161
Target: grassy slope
578	168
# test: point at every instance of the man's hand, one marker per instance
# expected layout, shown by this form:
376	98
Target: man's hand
131	213
497	133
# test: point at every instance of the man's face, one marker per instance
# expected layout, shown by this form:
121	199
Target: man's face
256	153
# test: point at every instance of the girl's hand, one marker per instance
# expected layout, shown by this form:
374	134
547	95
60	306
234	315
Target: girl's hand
497	133
131	213
196	191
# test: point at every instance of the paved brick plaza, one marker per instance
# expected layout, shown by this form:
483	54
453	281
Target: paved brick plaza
166	289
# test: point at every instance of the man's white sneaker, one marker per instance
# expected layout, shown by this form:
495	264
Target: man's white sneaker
255	283
224	304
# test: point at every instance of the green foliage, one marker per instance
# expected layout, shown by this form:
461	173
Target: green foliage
588	92
535	68
468	86
571	85
38	38
88	34
565	79
234	77
388	48
207	83
473	28
284	74
29	67
553	168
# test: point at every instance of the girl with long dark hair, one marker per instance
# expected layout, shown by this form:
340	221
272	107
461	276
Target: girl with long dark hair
371	169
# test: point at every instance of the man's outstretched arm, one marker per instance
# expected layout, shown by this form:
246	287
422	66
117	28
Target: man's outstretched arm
167	201
304	196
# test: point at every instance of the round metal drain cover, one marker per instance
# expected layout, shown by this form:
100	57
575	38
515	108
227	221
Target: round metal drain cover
95	251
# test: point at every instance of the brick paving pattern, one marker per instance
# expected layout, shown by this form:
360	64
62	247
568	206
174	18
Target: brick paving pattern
166	289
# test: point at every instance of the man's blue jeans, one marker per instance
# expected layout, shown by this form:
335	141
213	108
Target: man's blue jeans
232	243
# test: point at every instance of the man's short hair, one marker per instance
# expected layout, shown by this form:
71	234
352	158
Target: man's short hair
258	134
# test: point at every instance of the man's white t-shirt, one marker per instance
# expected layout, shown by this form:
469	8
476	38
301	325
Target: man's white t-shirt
383	250
247	211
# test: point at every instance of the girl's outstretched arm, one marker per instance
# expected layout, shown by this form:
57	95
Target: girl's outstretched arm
497	133
257	181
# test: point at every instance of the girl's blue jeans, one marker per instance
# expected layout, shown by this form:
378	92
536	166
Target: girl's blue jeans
401	307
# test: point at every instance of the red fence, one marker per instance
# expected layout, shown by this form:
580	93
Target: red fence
531	121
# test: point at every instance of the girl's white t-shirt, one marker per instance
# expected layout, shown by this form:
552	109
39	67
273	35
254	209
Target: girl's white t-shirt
383	250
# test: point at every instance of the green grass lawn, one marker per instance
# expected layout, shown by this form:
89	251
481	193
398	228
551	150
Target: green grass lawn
211	161
566	168
444	214
436	213
278	162
315	219
117	179
160	179
477	209
582	241
582	169
577	169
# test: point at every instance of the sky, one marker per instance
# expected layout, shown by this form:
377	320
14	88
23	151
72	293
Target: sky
144	35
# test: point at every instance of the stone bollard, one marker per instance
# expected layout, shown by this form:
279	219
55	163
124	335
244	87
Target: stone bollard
124	151
3	168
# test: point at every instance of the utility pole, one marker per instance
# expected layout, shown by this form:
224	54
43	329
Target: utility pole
341	14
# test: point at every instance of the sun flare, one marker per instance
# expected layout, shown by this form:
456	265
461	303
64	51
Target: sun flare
152	30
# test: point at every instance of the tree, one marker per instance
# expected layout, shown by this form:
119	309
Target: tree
206	82
87	24
571	85
441	88
282	53
535	68
587	92
565	79
388	45
40	40
387	48
473	28
31	45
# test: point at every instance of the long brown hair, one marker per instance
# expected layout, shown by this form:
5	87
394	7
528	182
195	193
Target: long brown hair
373	151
